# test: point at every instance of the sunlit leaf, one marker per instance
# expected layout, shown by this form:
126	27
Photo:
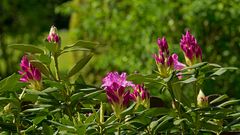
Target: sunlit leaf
26	48
79	65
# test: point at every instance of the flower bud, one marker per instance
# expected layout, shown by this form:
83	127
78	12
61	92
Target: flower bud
140	95
53	36
202	100
191	49
166	63
30	74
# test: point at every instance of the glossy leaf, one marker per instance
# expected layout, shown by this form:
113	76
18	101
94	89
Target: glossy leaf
79	65
27	48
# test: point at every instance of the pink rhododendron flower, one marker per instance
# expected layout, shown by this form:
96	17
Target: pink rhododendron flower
191	49
30	74
116	89
141	96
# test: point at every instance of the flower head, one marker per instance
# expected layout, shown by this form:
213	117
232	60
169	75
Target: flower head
191	49
30	74
115	85
141	95
164	61
53	36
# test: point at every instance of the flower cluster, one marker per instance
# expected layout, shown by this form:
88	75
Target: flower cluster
30	74
191	49
166	63
118	94
141	96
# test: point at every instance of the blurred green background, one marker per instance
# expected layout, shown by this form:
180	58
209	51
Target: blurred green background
128	30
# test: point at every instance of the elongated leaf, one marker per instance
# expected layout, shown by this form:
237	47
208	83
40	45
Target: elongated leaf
11	83
93	94
154	112
219	99
79	65
38	119
43	69
138	78
163	122
229	103
198	65
74	50
35	92
220	71
83	44
26	48
189	80
179	121
77	96
50	90
33	110
210	127
129	110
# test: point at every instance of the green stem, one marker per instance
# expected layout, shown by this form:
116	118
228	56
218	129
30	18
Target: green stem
196	90
51	73
57	69
119	129
178	107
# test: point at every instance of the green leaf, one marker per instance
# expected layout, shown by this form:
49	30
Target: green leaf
138	78
219	99
26	48
83	44
219	72
129	110
189	80
93	94
38	119
79	65
210	127
35	92
76	96
163	123
50	90
90	119
34	109
11	83
198	65
229	103
44	59
154	112
179	121
43	69
235	127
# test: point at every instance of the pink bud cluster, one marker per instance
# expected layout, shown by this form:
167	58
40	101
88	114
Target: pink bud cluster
141	95
30	74
166	63
117	90
28	71
191	49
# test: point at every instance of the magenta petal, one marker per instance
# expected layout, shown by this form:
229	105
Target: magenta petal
37	74
126	98
177	65
112	96
29	75
24	78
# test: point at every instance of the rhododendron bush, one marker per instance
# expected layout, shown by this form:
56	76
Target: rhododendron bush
40	99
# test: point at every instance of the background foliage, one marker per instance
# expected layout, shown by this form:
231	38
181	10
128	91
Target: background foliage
129	30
